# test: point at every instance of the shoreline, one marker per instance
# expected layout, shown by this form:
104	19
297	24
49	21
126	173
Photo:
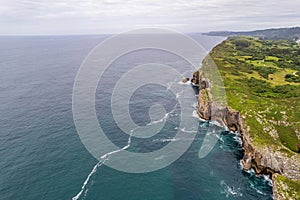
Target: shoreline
263	160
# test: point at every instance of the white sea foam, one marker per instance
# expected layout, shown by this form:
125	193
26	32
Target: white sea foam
94	170
165	117
169	85
98	165
171	139
105	157
216	124
168	140
195	104
186	83
227	129
238	139
221	141
220	138
194	114
230	191
197	85
240	165
159	158
257	190
250	171
158	121
268	180
188	131
86	191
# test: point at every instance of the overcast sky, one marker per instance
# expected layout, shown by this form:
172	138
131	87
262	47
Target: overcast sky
113	16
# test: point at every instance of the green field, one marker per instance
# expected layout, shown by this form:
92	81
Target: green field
262	82
287	188
254	73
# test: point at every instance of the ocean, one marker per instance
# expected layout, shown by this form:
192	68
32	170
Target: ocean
42	156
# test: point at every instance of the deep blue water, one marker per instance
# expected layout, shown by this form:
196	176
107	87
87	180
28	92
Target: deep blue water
42	156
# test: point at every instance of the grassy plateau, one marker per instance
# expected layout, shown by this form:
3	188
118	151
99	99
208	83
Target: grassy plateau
262	82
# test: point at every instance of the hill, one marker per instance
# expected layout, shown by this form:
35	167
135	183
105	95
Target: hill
291	34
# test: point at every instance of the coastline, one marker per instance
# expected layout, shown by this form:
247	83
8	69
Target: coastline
264	160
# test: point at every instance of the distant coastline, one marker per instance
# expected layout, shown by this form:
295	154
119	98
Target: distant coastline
290	34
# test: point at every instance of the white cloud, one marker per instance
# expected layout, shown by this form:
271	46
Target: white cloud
98	16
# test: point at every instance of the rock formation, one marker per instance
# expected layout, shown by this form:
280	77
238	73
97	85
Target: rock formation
195	79
264	160
185	79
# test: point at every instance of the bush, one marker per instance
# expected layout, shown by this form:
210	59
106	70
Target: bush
265	89
258	56
292	78
265	71
242	43
258	86
287	90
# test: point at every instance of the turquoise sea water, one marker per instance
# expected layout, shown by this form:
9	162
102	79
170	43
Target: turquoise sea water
42	156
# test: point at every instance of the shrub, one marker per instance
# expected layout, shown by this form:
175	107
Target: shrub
292	78
241	43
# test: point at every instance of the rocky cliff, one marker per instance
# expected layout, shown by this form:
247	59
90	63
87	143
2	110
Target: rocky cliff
207	110
264	160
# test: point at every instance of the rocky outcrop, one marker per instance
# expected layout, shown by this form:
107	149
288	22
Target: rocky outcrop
264	160
208	110
195	79
185	79
232	120
204	105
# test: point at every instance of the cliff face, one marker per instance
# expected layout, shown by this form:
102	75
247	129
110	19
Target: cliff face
204	108
253	84
264	160
208	110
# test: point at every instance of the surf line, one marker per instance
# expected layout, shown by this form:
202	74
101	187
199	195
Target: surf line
99	164
106	156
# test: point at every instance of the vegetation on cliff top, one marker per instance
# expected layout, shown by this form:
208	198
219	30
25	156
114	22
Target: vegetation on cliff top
261	79
288	189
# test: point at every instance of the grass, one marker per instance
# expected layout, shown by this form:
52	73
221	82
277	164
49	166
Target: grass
290	189
253	72
279	77
271	58
255	85
288	137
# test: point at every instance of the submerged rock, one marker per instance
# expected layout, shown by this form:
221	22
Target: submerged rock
185	79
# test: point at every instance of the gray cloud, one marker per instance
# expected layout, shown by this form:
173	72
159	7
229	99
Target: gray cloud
105	16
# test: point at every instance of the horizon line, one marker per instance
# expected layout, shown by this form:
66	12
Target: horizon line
98	34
